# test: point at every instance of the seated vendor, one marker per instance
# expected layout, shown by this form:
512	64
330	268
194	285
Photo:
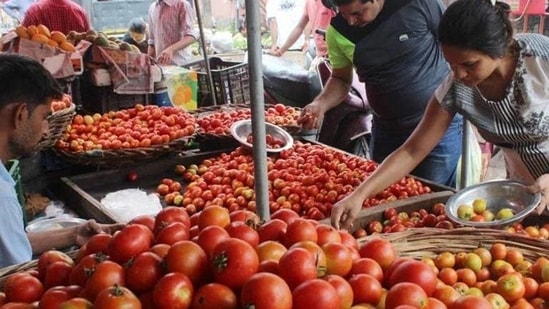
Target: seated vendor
136	34
26	93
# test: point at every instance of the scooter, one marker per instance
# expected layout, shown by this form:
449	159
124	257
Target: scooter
346	127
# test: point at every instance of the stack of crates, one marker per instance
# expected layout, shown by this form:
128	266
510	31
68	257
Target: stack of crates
15	172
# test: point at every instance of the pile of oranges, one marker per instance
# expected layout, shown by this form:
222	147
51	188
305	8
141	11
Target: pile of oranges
42	34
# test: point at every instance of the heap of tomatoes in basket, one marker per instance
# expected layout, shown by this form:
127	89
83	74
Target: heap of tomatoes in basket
137	127
219	122
217	259
64	103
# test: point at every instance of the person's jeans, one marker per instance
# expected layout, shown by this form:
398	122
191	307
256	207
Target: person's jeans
439	166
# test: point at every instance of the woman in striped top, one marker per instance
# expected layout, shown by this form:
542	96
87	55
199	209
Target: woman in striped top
499	82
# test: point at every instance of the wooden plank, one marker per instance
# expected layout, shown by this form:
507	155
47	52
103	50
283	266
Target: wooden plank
410	204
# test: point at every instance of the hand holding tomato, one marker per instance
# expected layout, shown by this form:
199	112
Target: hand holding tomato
311	115
345	211
90	228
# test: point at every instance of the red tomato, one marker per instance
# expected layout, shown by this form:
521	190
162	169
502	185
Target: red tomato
284	214
274	229
132	176
416	272
117	297
246	216
366	266
243	231
106	274
146	220
144	271
171	214
366	289
57	273
510	286
53	297
50	256
315	293
98	243
339	258
262	288
174	290
348	239
343	289
210	236
380	250
406	293
129	242
300	229
188	258
470	301
233	262
76	303
214	295
80	272
172	233
327	234
14	305
297	265
214	215
23	287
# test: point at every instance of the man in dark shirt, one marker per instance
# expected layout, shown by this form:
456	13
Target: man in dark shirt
393	46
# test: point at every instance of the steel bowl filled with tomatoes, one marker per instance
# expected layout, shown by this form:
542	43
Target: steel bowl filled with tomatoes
277	139
492	204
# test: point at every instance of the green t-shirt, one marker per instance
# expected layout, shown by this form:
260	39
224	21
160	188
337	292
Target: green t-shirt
340	49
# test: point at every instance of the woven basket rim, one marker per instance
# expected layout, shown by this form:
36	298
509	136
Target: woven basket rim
428	242
57	122
120	156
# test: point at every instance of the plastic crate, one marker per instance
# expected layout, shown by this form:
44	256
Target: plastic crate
231	82
15	172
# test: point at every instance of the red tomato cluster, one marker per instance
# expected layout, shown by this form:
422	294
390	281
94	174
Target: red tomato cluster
65	102
271	141
219	122
138	127
217	259
307	178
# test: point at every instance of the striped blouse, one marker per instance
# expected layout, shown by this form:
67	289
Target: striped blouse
518	124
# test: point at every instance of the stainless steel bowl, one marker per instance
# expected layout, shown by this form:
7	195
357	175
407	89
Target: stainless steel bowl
242	128
498	194
53	224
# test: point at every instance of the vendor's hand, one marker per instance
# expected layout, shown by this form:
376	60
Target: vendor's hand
542	186
90	228
165	57
311	116
274	51
346	211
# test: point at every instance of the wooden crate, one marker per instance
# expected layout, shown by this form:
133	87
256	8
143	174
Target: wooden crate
85	191
410	204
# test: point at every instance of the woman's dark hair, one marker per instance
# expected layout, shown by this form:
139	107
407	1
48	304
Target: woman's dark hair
137	25
477	25
25	80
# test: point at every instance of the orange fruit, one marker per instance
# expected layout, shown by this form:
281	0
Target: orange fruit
38	37
21	32
67	46
32	30
43	30
52	43
58	36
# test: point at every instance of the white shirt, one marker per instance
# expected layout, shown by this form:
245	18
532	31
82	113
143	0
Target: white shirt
287	14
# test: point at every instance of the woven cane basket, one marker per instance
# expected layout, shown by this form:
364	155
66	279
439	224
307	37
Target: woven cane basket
429	242
18	268
57	122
